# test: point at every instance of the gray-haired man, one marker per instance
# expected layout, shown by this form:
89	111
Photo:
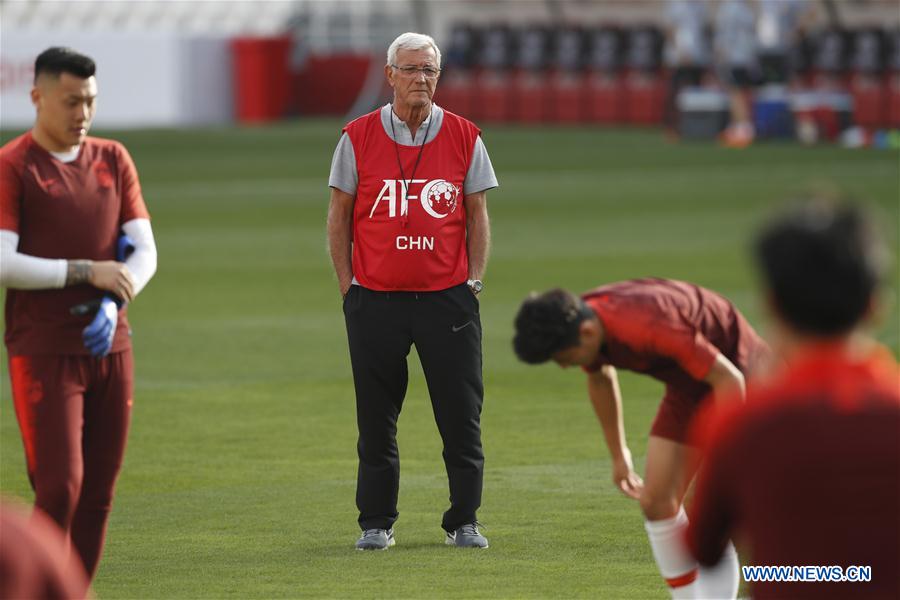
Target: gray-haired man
409	236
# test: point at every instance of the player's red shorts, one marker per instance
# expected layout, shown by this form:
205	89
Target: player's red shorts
677	410
74	412
682	402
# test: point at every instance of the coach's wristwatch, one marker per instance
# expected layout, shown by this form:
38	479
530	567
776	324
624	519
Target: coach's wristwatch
476	285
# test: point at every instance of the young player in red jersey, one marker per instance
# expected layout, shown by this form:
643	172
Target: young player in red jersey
65	200
691	339
807	472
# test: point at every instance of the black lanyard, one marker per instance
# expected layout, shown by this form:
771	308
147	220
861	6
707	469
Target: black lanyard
404	219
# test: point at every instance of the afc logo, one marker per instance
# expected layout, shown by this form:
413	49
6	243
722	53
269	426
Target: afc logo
438	197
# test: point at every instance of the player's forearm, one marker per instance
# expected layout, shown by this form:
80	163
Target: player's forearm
24	272
478	237
78	271
726	380
341	250
603	390
731	388
339	244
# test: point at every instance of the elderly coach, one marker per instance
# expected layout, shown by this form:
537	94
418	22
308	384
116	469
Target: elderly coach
408	234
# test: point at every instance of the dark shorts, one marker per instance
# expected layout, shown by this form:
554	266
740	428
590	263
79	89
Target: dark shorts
677	410
687	76
741	77
775	67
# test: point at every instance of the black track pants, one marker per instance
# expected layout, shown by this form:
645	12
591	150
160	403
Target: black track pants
446	329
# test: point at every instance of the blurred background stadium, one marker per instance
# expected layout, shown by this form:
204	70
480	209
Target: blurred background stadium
241	467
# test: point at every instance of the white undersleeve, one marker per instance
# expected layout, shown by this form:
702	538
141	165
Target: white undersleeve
142	262
25	272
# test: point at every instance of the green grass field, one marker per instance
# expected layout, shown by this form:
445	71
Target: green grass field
240	473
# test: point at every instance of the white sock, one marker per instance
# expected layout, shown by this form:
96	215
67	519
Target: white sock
721	581
675	562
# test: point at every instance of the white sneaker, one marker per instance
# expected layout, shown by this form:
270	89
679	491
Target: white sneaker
466	536
375	539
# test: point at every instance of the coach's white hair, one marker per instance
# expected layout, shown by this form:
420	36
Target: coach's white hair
412	41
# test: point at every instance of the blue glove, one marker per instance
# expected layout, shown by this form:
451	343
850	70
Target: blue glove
98	336
124	247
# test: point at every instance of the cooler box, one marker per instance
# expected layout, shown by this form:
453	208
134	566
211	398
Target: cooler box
772	115
702	113
828	112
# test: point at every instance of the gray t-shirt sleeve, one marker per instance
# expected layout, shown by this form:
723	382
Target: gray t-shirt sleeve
343	167
480	176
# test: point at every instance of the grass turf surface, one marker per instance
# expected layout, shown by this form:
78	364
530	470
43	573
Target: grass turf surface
240	473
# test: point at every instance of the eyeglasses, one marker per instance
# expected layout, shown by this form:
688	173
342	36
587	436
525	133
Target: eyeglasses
410	71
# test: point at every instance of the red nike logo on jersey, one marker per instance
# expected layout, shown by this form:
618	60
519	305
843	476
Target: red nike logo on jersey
45	183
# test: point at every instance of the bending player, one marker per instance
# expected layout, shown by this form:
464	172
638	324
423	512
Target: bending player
693	340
